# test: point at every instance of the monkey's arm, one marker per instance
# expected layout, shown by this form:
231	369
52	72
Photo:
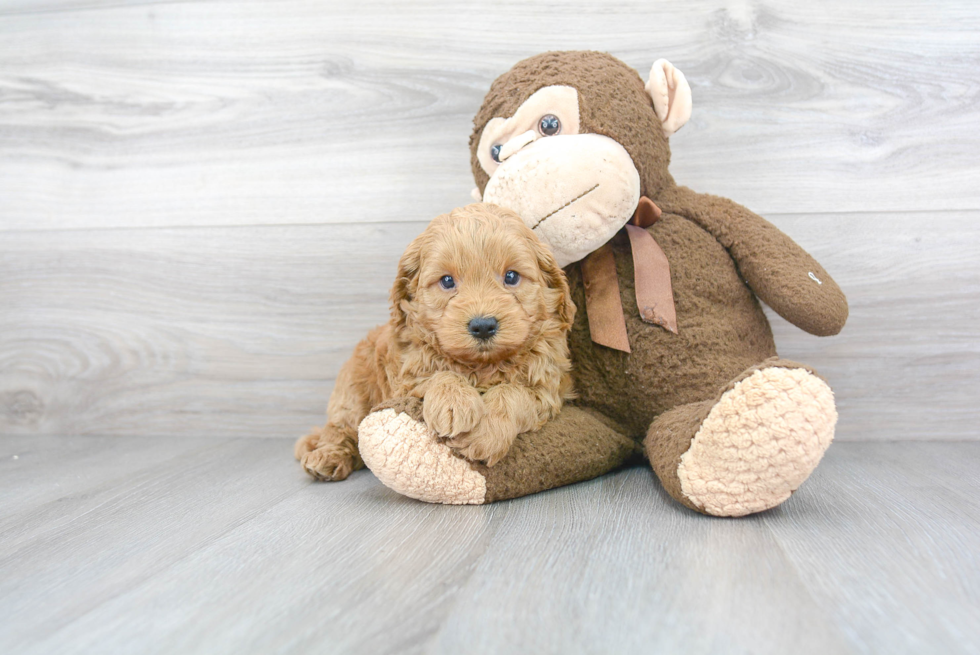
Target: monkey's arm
781	273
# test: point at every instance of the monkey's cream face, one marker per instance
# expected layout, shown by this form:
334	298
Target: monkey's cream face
574	190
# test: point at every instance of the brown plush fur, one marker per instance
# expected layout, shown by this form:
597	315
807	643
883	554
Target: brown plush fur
478	394
723	259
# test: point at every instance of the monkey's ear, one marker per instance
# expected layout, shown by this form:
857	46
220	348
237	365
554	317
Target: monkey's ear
406	284
671	95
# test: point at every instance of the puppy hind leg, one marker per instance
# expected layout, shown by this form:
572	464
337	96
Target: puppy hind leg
330	453
335	456
306	443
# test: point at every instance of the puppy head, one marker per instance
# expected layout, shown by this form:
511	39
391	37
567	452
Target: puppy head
478	286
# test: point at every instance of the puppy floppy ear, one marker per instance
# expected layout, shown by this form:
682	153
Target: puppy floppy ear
555	278
406	283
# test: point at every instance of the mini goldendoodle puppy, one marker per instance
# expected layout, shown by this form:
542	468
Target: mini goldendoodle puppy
480	313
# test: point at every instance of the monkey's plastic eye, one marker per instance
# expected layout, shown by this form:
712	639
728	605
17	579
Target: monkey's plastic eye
511	278
495	153
447	282
549	125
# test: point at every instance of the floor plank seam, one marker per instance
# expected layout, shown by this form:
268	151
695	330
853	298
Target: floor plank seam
164	570
851	639
495	510
146	476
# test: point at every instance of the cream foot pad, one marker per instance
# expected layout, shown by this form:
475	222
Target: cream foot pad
408	458
759	442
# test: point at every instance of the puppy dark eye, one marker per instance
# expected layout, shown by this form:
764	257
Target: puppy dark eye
447	282
495	153
549	125
511	278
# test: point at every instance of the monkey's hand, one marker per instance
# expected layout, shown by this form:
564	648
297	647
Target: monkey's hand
778	270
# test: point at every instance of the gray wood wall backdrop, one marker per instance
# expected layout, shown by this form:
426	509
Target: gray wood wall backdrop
202	203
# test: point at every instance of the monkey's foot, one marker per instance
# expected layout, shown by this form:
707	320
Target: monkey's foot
409	458
759	442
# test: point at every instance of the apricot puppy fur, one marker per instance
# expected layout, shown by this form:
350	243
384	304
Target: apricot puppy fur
480	312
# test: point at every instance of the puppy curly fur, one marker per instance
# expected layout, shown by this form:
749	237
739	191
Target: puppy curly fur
478	393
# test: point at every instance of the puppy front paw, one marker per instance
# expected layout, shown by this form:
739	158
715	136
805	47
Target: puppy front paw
452	409
489	442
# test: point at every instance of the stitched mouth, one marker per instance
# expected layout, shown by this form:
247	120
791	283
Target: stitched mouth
575	199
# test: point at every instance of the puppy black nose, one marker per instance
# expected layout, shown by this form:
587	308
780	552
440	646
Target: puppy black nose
483	327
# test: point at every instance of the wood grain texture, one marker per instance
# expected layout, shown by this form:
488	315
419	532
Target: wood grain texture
229	113
882	487
81	470
201	204
907	364
655	580
223	332
88	547
226	547
213	332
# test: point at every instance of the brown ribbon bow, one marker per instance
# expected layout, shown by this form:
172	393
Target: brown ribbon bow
651	271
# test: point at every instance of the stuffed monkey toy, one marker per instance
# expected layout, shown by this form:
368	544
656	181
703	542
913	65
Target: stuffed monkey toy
673	357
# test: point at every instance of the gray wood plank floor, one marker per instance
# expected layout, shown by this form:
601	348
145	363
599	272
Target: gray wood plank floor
135	545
